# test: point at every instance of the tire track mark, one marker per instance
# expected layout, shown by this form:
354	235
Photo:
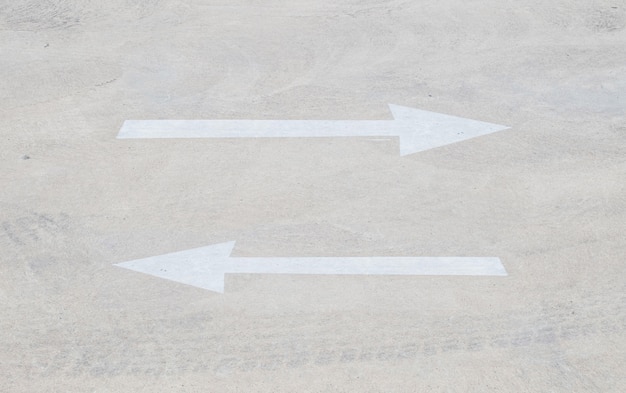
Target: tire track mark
181	346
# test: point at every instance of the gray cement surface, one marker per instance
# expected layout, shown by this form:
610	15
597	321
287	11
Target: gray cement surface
547	196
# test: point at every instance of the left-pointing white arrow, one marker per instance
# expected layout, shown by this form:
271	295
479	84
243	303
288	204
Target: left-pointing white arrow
417	130
205	267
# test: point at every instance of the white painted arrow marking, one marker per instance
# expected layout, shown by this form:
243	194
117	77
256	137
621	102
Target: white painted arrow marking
205	267
417	130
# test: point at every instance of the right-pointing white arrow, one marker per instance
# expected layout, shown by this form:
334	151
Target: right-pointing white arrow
205	267
417	130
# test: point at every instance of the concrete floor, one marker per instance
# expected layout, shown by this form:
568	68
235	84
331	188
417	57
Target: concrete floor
547	196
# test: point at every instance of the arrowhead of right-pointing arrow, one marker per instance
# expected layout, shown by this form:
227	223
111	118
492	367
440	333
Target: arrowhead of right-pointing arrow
202	267
420	130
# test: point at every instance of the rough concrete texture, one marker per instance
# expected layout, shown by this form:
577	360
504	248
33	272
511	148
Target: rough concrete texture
547	196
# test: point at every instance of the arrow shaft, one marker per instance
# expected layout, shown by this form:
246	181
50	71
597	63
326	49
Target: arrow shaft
258	128
464	266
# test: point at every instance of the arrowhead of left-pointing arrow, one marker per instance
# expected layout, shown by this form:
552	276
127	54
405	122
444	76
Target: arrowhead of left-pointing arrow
202	267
